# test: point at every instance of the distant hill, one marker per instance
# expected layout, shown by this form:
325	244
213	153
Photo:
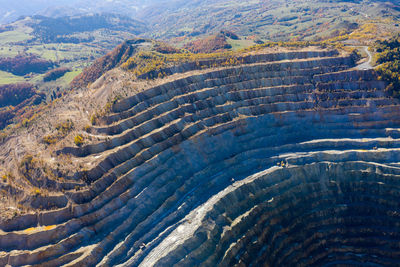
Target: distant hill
269	20
32	46
12	10
59	30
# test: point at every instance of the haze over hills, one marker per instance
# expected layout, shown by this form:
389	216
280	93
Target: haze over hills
159	12
274	20
10	11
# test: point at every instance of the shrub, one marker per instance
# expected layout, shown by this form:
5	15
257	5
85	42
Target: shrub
93	119
37	192
78	140
150	65
65	127
25	123
49	139
3	137
26	164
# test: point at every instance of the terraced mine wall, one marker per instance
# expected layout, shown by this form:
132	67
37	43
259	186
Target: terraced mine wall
284	163
248	59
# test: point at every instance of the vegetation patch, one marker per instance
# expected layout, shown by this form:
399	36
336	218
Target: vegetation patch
36	174
145	62
78	140
165	48
230	34
23	113
24	64
388	56
151	64
62	130
55	74
14	94
209	45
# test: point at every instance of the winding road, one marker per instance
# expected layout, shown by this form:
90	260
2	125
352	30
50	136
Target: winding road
366	65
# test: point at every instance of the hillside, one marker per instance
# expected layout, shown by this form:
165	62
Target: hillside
72	42
111	60
33	49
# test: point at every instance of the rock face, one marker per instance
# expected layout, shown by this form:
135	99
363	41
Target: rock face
275	163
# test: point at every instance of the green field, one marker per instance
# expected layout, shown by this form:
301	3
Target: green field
7	78
239	44
69	76
10	51
13	36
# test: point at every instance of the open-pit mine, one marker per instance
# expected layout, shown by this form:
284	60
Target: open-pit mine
287	159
